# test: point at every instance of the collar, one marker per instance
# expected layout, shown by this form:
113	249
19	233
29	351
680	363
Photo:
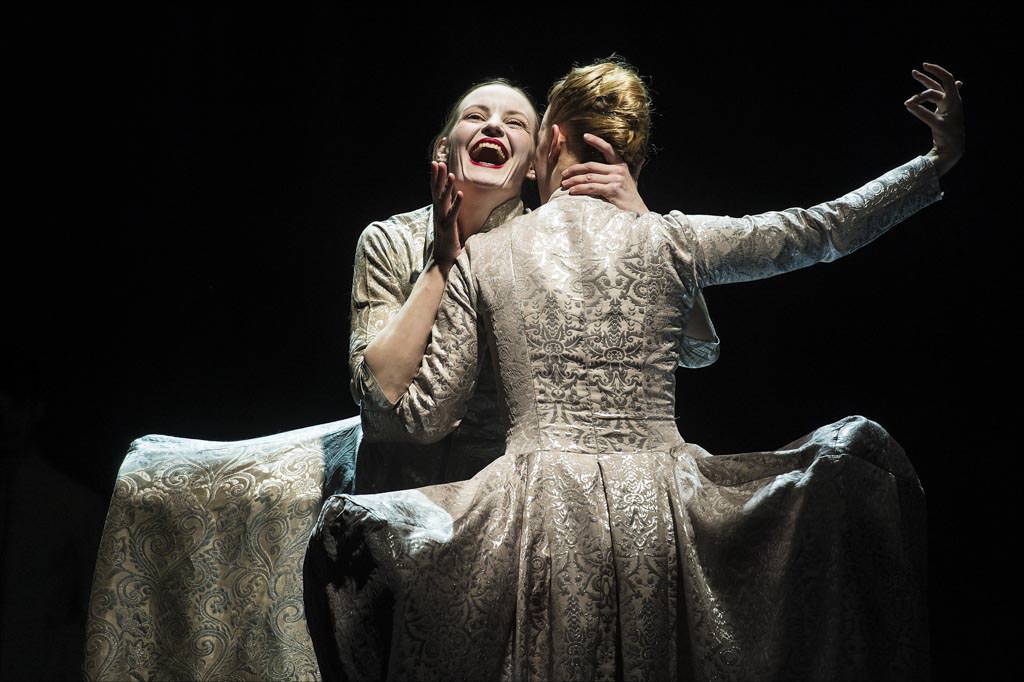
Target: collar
561	192
501	214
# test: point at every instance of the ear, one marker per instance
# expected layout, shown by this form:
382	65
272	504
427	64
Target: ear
441	150
557	143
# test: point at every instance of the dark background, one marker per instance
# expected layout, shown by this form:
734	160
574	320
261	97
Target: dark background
189	185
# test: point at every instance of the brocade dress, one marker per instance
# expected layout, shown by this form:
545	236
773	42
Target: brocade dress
601	545
389	258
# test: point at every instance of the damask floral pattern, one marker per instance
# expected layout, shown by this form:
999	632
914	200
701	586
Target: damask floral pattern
198	575
390	255
389	258
602	546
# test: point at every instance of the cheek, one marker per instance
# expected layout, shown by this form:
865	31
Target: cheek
458	136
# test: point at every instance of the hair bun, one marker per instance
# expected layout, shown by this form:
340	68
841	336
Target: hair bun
608	99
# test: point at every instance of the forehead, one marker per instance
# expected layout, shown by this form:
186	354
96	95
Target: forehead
498	97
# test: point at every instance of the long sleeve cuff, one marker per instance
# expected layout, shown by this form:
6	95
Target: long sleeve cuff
697	353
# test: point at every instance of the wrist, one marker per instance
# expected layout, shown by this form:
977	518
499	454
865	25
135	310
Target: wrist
442	267
943	160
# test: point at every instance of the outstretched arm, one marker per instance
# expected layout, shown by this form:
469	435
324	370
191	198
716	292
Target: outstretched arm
726	249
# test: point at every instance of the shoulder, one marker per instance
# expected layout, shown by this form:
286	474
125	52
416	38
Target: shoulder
669	223
396	233
579	208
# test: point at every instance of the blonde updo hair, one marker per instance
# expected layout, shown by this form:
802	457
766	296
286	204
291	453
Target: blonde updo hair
606	98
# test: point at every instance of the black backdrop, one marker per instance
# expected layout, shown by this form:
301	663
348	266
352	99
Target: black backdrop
189	186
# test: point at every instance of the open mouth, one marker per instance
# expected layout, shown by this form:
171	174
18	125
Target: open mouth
489	152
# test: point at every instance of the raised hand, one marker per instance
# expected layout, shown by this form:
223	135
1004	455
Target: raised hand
447	202
611	180
946	120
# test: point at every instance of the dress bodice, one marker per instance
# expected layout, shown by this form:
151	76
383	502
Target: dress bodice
585	306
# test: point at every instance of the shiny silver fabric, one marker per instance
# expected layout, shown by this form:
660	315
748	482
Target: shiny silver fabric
602	546
389	258
199	570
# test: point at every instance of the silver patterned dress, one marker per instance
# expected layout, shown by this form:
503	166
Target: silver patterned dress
601	545
390	256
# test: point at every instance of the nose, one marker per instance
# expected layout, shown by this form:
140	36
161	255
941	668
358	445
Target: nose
494	127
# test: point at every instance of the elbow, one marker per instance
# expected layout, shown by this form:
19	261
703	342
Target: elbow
360	378
384	373
377	434
423	426
371	365
356	388
397	424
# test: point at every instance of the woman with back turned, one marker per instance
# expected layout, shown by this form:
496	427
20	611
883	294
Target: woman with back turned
601	545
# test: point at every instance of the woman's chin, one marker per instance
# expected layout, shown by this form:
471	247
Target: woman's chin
495	184
490	179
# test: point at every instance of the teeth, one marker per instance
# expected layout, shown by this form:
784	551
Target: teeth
495	147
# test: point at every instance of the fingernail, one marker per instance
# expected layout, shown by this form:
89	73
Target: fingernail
564	172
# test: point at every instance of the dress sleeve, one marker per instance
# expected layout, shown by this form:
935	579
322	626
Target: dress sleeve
436	400
726	250
377	296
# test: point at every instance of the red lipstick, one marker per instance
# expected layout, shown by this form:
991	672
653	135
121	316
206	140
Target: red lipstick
504	154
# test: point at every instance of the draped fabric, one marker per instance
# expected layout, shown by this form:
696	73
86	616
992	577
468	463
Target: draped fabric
601	545
198	575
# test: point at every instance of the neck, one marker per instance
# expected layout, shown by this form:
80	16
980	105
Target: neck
553	181
477	205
